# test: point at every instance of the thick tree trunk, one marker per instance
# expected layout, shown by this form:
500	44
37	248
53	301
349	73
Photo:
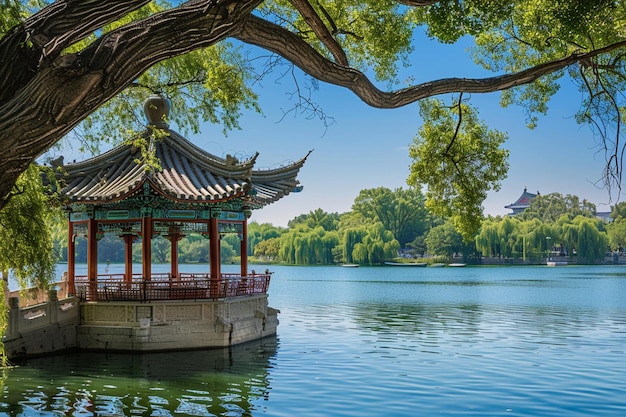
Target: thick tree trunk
47	93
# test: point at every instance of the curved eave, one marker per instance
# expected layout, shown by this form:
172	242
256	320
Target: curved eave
517	206
187	174
273	184
181	187
279	173
241	194
111	176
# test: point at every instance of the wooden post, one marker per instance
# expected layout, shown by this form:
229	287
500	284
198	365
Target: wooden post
71	260
243	248
146	247
174	235
214	257
92	258
128	258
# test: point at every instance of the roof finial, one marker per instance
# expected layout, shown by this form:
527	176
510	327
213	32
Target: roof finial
157	109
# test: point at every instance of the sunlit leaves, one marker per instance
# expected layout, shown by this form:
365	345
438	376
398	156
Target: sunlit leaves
209	85
316	218
444	240
449	20
550	207
534	239
376	35
370	244
459	160
267	249
616	233
401	211
537	31
592	244
308	246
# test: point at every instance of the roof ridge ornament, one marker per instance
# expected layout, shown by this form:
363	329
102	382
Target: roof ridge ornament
157	110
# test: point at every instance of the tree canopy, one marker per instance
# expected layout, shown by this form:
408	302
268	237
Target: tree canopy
81	66
401	211
469	159
549	207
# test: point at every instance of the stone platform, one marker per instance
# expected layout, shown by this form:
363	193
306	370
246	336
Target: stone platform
67	324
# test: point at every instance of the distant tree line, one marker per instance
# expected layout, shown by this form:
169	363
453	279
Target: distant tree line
384	224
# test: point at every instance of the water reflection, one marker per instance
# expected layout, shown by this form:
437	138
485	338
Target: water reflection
194	383
465	319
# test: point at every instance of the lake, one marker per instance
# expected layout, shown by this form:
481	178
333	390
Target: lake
374	341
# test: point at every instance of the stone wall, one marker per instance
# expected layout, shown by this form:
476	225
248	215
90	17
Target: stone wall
42	328
174	325
60	325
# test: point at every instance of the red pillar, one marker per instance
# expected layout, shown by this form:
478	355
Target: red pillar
71	260
92	257
146	247
214	257
243	248
174	236
128	257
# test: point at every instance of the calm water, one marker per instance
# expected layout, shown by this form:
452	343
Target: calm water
381	341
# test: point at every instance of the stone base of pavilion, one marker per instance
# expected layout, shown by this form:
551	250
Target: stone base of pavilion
141	316
175	325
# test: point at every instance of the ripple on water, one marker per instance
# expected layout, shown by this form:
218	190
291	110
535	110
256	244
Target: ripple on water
522	360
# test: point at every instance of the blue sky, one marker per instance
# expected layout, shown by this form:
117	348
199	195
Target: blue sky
368	148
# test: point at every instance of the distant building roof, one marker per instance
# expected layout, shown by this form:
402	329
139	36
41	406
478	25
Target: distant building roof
522	203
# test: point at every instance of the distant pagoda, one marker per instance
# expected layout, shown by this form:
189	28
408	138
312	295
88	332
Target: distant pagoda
522	203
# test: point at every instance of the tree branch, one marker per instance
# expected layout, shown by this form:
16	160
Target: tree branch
417	3
458	125
45	92
321	31
50	31
284	43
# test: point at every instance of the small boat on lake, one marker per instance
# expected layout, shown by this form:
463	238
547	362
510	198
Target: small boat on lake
405	263
457	265
437	265
350	265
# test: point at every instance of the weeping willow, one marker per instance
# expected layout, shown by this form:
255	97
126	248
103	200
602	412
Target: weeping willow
26	233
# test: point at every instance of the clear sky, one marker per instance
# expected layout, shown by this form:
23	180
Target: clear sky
367	147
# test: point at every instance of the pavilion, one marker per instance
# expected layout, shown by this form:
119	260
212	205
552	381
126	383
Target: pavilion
522	202
187	191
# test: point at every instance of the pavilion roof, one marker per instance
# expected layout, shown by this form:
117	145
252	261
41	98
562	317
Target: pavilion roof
523	201
187	173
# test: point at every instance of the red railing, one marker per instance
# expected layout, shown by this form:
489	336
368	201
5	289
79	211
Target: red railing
113	287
